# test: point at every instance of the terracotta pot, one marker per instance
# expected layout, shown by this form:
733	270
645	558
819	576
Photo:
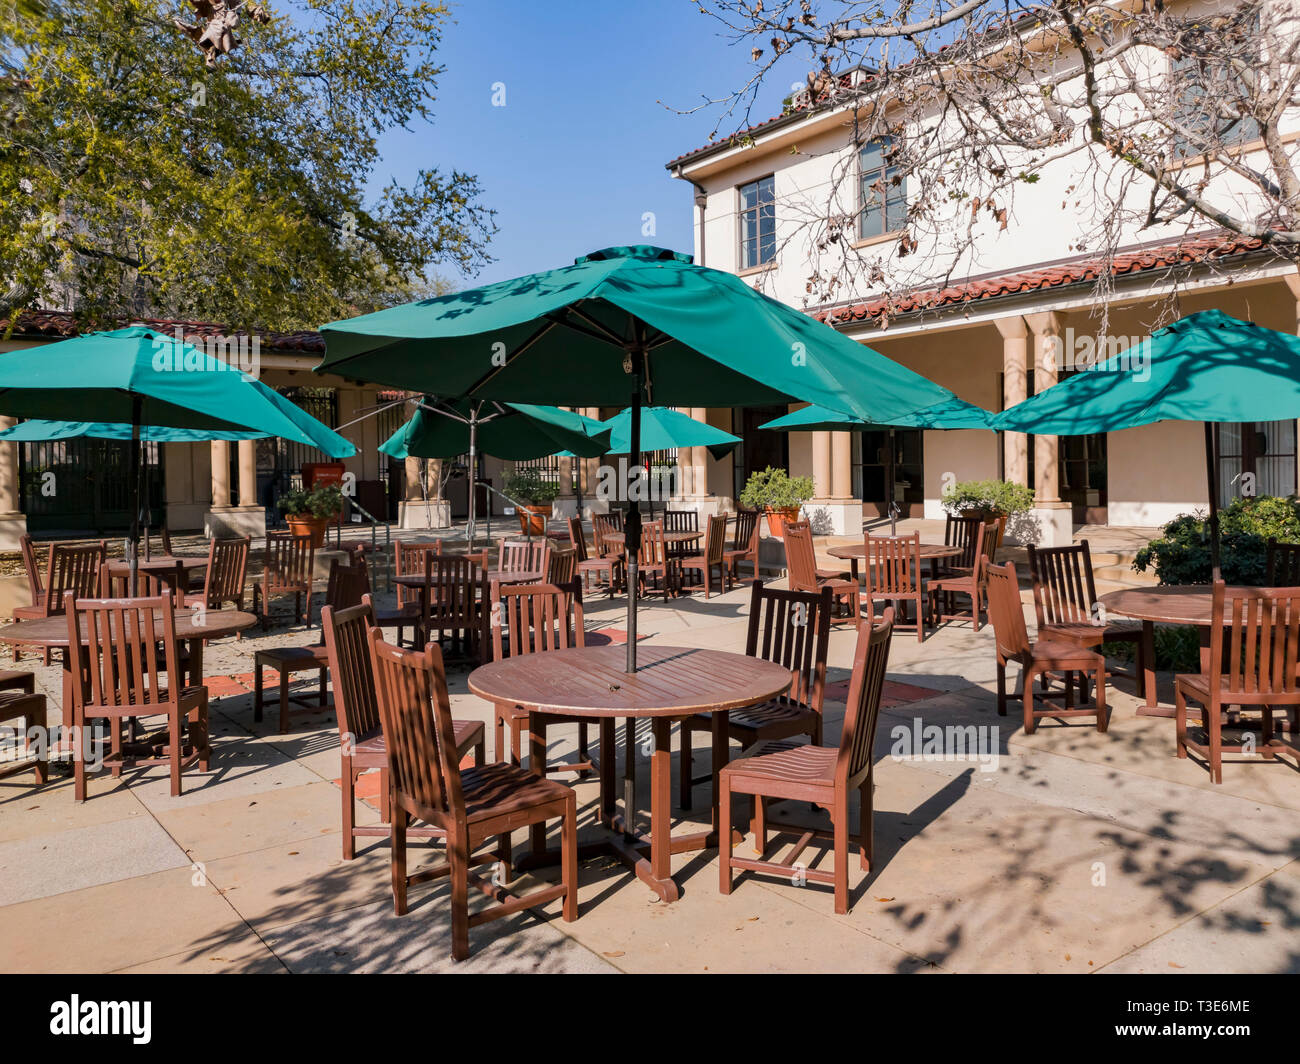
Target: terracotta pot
776	519
307	525
532	519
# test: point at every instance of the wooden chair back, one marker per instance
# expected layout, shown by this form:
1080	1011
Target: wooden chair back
577	540
349	582
1283	565
149	584
523	556
966	533
457	589
893	565
289	563
561	566
601	524
793	629
990	537
411	691
1064	588
681	521
227	570
35	585
408	560
123	674
534	618
800	559
744	534
75	570
1009	629
853	763
352	675
715	539
654	552
1259	627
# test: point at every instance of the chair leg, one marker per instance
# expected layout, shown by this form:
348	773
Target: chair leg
1027	680
1216	742
1102	721
346	784
866	824
724	836
399	861
685	768
1002	689
569	858
758	825
841	830
1180	721
323	684
284	701
174	727
258	694
459	860
499	731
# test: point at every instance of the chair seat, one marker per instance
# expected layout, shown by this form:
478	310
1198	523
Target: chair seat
293	658
834	574
502	788
588	564
777	767
775	719
1064	655
16	679
372	748
836	584
698	561
20	704
408	614
29	613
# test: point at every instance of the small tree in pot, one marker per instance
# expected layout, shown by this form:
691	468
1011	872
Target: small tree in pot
532	495
308	513
779	494
989	500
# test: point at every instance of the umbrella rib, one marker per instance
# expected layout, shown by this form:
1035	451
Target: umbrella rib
534	338
602	332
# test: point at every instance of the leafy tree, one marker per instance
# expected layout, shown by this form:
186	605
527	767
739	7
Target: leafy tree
145	170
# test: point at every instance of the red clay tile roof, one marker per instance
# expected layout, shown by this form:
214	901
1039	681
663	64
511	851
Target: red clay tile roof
1196	249
60	324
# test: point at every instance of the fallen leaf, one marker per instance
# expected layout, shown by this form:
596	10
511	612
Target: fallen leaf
884	899
1173	965
613	953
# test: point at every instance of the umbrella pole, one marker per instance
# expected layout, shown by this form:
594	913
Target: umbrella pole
632	527
1212	476
889	488
473	472
133	542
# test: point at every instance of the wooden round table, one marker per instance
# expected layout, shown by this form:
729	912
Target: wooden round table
162	566
670	684
1190	604
855	553
518	576
194	627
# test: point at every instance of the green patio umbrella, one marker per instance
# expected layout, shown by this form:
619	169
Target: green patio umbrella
136	379
953	414
1208	367
636	325
663	429
515	431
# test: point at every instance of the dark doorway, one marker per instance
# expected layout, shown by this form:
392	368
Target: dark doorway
761	448
70	487
1256	458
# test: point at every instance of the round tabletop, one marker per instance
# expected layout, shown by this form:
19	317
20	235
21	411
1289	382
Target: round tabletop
158	564
190	624
668	682
1180	604
669	537
514	576
928	550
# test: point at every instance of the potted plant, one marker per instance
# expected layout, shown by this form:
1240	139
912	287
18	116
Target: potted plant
778	494
308	512
532	495
989	500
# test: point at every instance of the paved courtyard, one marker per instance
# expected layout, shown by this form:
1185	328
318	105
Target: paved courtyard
1064	851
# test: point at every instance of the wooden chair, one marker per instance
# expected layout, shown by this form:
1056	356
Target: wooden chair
1283	565
744	545
823	775
408	560
75	570
20	702
608	565
456	606
361	739
290	562
349	583
164	542
1065	595
652	560
149	584
893	573
473	806
1044	656
124	676
715	543
680	521
561	566
534	619
36	589
793	629
963	580
224	580
801	564
601	526
523	556
965	533
1259	628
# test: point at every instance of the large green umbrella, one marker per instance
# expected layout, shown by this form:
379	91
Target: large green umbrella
1207	367
663	429
638	325
140	378
515	431
953	414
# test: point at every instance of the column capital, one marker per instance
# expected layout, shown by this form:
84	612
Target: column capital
1046	322
1012	328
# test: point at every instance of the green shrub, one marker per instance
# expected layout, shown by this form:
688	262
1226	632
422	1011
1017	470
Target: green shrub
1181	554
989	498
529	487
777	489
1177	649
324	501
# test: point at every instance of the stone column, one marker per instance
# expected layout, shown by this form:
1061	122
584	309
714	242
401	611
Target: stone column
1293	283
1054	518
821	461
841	465
247	473
412	512
220	474
13	522
1015	387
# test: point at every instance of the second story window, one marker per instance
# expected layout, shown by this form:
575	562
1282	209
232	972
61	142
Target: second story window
883	196
757	223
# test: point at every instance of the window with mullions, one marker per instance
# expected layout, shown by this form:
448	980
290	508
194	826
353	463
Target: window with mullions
883	191
758	223
1201	85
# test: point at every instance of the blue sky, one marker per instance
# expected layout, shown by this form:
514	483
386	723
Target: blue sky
576	155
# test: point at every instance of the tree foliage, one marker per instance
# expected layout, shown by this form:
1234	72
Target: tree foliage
136	179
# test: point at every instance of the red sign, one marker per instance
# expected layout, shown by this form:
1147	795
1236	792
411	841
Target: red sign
323	475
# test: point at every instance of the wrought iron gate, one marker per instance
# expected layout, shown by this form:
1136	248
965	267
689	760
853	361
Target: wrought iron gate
84	485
